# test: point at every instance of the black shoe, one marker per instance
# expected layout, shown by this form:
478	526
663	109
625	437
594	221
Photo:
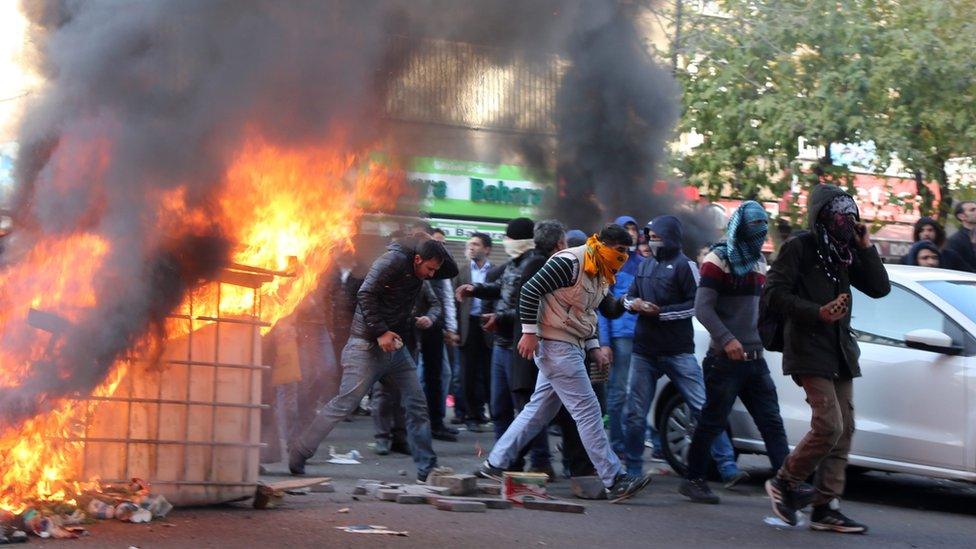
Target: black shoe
782	497
827	518
487	470
457	421
422	477
698	491
736	479
400	447
443	433
382	447
296	462
803	495
625	486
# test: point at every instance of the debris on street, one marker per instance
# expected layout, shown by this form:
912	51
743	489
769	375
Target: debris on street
370	529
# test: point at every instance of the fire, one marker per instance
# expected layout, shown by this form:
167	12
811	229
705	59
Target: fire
287	209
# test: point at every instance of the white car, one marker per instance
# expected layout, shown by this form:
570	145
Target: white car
915	404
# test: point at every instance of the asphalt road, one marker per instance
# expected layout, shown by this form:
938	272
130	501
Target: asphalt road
901	510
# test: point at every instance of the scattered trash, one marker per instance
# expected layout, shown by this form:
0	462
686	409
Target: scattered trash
266	497
370	529
100	510
517	485
9	535
343	510
349	458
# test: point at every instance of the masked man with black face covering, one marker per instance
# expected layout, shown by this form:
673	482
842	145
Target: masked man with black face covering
810	285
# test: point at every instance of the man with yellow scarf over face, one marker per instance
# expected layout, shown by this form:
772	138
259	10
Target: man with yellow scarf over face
557	309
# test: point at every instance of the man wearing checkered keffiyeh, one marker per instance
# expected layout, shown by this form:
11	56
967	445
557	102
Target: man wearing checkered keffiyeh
744	238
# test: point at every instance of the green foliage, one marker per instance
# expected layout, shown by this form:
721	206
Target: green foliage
896	72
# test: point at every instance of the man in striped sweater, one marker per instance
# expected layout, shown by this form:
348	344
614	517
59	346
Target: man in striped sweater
727	304
558	306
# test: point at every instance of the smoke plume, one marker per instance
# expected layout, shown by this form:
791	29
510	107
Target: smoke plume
148	96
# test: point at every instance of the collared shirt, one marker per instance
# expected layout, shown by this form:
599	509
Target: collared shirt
478	277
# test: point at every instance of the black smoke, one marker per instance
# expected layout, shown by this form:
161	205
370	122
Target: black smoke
146	96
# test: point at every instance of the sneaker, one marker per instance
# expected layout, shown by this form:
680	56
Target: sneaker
422	477
782	500
735	480
698	491
487	470
828	518
382	447
296	462
442	433
625	486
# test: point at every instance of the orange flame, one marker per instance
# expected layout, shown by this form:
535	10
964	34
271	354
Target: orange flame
289	210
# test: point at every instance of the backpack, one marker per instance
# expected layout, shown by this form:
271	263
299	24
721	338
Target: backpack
771	322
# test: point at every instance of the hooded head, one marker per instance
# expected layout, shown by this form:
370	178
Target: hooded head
744	238
632	227
927	228
664	236
575	237
833	216
518	236
924	253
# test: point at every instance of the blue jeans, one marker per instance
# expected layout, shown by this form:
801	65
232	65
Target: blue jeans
684	372
562	380
749	381
363	362
617	389
503	406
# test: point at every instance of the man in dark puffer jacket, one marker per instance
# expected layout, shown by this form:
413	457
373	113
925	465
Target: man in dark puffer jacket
810	285
375	348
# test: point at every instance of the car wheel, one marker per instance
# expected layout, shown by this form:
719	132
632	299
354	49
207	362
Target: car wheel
675	427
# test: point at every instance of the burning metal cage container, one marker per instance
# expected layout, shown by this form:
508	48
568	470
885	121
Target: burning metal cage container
188	422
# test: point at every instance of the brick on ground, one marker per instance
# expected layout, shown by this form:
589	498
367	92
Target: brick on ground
491	503
459	485
490	488
411	498
460	506
388	494
553	505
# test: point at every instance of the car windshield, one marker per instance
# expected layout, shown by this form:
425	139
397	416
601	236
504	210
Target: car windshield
959	294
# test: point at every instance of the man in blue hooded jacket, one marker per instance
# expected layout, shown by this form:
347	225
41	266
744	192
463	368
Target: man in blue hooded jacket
617	337
663	294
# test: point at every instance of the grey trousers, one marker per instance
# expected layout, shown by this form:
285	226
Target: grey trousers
363	362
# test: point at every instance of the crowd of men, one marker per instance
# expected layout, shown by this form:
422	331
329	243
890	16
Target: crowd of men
572	333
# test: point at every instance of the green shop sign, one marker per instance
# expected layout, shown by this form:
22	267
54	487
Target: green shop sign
475	189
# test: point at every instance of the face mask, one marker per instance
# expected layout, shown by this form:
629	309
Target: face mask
655	245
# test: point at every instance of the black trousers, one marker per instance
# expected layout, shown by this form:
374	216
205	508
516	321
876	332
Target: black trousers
476	371
432	350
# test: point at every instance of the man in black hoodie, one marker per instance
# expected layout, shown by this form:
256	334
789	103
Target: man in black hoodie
375	348
809	285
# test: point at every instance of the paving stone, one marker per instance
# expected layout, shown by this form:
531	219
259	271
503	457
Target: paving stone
490	488
388	494
324	488
553	505
459	485
411	498
491	503
460	506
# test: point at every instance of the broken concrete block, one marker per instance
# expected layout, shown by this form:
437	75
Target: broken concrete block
553	505
458	485
324	488
387	494
411	498
490	488
491	503
460	506
588	487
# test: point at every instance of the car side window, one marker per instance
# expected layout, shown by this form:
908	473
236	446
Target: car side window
888	319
